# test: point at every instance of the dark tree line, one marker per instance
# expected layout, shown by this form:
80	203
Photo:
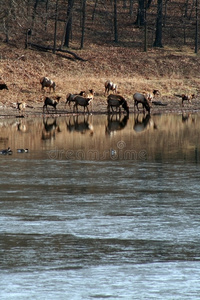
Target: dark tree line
70	18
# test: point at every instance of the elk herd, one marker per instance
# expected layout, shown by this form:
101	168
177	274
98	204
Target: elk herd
115	101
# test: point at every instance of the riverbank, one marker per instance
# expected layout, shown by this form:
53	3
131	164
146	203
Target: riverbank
36	110
171	72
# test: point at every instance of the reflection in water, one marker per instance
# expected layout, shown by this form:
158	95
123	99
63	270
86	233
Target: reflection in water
101	135
146	122
188	118
21	126
78	125
116	122
50	129
116	215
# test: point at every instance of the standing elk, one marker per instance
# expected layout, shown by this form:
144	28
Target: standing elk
150	96
110	86
46	82
21	106
70	97
81	101
51	102
187	98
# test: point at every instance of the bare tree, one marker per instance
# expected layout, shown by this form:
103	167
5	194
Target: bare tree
68	26
143	5
196	31
55	28
115	22
158	38
83	22
140	14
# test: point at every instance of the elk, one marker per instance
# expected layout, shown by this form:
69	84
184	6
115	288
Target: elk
187	98
110	86
70	97
21	106
140	98
51	102
150	96
117	101
46	82
81	101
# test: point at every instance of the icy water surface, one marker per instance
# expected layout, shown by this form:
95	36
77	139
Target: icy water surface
100	208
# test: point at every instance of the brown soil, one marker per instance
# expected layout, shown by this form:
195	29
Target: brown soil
169	71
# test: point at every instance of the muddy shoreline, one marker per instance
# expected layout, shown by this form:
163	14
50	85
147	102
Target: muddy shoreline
36	109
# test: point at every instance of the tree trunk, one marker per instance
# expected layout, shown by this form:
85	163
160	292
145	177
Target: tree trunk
55	29
158	38
83	23
94	10
47	3
131	8
140	14
145	28
115	22
196	31
69	23
34	12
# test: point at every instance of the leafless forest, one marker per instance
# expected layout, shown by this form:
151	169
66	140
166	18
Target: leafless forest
77	24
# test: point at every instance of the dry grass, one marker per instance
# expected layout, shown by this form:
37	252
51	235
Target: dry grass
169	71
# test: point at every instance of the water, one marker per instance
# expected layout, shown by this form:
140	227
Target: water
100	211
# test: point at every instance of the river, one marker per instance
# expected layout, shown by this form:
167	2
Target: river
100	208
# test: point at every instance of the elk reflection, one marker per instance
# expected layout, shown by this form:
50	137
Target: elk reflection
50	129
144	123
188	118
115	123
83	126
20	126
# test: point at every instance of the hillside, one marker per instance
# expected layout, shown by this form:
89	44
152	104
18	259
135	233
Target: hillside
174	69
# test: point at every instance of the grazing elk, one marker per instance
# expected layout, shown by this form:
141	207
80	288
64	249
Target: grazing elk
46	82
81	101
110	86
51	102
117	101
140	98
